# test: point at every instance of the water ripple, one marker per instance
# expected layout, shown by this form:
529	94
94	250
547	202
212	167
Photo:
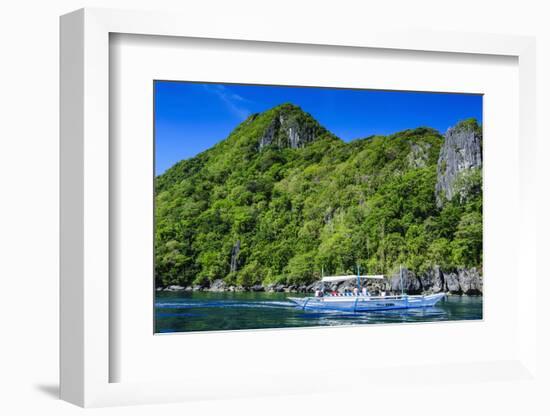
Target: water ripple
197	311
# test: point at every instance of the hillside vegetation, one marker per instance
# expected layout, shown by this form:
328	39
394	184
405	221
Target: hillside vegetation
282	197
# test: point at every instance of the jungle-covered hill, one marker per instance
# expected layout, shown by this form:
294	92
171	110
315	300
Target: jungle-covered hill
282	197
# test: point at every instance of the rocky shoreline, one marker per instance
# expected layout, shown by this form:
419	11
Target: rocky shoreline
457	282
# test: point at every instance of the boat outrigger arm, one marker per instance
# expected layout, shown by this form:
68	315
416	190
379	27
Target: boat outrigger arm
364	302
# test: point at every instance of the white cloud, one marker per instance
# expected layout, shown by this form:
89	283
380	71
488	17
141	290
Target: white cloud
234	102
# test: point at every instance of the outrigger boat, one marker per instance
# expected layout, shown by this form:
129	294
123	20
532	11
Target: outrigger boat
363	302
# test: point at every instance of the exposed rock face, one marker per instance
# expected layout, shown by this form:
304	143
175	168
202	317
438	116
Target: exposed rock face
276	288
218	285
174	288
452	284
461	281
470	281
461	152
433	280
270	133
412	284
373	286
438	280
291	127
457	282
235	256
418	156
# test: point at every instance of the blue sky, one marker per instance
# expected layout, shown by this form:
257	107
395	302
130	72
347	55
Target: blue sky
192	117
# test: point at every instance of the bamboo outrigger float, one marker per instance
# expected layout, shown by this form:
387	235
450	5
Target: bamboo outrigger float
363	301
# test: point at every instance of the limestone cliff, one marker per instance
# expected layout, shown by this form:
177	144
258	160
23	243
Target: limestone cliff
290	127
459	157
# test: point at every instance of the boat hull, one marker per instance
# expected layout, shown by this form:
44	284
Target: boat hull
367	303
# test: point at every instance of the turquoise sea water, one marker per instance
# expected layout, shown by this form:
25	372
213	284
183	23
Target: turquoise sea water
209	311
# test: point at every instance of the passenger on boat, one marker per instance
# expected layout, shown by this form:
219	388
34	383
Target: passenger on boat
364	291
355	291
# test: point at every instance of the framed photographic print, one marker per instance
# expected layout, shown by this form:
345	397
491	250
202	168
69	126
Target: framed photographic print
235	209
283	223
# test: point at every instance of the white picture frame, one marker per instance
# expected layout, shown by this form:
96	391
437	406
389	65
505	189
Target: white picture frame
86	356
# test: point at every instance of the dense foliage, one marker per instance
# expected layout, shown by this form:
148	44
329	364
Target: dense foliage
288	212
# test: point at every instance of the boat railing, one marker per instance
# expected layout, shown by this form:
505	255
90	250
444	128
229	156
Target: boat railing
394	297
365	296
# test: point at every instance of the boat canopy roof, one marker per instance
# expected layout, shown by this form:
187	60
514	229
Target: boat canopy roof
351	276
